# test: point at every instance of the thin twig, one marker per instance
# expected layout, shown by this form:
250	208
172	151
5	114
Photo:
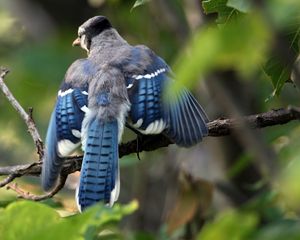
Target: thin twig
29	196
25	116
7	180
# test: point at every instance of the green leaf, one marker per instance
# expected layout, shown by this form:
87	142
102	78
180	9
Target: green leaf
225	13
26	220
285	19
139	3
241	5
230	225
30	220
276	68
278	72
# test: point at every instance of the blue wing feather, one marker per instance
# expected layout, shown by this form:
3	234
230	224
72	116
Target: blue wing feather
64	131
61	141
183	119
69	115
187	122
145	95
80	98
51	161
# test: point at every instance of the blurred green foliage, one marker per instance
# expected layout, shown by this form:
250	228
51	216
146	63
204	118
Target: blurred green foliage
28	220
222	48
240	37
225	226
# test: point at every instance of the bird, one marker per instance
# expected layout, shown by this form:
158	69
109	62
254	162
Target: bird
116	85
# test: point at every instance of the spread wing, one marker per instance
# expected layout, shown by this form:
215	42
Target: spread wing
64	130
179	116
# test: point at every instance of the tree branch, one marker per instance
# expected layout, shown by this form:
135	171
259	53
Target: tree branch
25	116
219	127
274	117
29	196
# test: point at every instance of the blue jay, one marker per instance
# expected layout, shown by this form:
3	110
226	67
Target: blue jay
116	84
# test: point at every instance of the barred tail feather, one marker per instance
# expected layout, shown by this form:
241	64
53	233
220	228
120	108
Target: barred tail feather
99	179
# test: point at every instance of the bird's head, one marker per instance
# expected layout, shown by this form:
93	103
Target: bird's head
90	29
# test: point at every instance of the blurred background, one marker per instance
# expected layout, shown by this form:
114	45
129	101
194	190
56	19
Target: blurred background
232	71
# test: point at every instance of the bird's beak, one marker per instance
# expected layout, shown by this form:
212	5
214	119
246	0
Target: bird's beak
76	42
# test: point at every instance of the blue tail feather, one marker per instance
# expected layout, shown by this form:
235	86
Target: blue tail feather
99	170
